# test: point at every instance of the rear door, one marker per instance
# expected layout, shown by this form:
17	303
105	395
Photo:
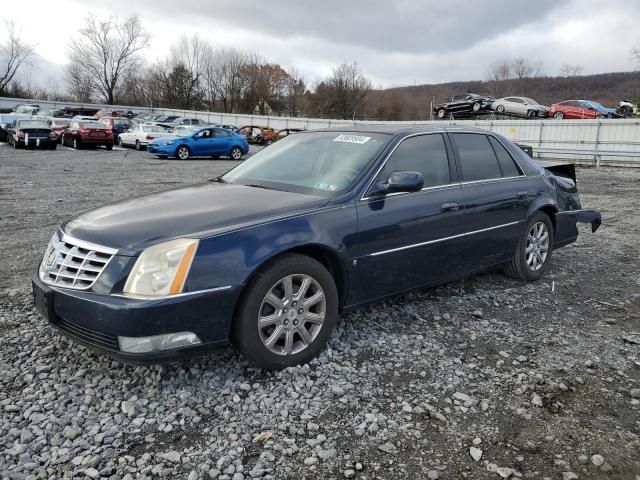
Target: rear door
411	239
497	196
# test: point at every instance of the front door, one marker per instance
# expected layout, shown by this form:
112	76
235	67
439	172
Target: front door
412	239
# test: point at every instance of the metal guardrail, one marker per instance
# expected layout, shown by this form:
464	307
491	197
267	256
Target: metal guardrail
606	142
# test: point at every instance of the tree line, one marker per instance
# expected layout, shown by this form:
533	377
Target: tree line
106	65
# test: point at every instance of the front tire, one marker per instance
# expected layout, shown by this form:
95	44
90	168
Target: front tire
476	107
533	250
286	313
138	145
499	109
558	115
183	153
76	144
442	113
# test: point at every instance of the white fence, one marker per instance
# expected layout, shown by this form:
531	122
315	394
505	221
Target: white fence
615	141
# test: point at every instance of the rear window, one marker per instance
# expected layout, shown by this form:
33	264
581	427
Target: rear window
507	164
477	158
33	124
96	125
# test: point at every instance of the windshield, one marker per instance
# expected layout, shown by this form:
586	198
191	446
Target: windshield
33	124
182	131
317	162
24	109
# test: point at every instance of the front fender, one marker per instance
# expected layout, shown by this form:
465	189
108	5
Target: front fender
231	258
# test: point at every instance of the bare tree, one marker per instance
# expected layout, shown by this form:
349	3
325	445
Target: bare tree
108	50
348	88
80	82
232	61
498	75
522	68
568	70
13	55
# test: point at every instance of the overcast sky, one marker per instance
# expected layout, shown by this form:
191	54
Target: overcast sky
396	42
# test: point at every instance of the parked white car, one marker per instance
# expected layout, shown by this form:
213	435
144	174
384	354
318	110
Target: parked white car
522	106
139	135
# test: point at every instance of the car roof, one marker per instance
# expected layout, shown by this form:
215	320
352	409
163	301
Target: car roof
399	129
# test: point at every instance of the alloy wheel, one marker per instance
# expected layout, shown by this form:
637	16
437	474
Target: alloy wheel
537	246
236	153
183	153
291	314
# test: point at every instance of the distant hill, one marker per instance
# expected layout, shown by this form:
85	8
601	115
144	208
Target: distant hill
412	102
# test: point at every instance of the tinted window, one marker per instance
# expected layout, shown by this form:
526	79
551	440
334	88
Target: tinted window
477	159
222	133
425	154
507	165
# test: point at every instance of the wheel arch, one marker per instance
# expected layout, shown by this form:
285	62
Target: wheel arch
323	254
550	210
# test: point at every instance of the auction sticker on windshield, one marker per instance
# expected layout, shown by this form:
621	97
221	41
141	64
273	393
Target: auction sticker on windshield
352	139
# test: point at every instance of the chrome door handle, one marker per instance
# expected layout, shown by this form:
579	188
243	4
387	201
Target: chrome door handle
522	195
449	207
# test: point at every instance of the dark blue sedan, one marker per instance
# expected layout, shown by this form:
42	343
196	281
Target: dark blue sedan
202	142
319	223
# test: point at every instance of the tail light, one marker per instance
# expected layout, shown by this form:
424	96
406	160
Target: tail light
149	137
20	134
52	135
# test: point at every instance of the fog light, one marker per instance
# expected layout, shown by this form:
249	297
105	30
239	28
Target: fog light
158	343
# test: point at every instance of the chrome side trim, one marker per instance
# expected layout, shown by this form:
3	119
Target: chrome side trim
568	212
168	297
438	240
395	194
88	245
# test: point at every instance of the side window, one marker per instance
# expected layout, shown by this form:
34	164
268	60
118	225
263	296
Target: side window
507	164
221	133
426	154
478	161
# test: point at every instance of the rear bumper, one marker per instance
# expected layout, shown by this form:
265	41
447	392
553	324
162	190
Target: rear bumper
37	142
96	320
566	225
96	141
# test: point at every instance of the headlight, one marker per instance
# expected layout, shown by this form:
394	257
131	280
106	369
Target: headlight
162	269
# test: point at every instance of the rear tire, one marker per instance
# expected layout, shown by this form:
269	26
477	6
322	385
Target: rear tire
499	109
441	113
296	315
120	142
476	107
109	147
520	266
138	145
76	144
558	115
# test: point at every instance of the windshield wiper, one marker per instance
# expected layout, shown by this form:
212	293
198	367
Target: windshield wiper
257	186
218	180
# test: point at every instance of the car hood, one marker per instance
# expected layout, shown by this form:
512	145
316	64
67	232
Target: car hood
194	211
168	138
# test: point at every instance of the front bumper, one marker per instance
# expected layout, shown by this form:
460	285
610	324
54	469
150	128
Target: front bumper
97	320
163	150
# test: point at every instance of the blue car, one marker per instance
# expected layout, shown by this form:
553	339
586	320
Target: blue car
203	142
318	223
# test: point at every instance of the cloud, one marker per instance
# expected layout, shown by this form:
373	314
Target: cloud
397	43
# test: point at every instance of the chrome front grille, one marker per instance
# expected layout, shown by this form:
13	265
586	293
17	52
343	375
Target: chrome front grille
73	263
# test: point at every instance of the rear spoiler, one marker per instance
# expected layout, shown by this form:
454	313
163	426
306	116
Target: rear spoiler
561	169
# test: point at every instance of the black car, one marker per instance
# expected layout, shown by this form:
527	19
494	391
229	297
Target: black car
463	105
319	223
32	133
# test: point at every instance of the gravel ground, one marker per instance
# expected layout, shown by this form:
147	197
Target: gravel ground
482	378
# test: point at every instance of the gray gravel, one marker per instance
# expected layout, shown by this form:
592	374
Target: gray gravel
482	378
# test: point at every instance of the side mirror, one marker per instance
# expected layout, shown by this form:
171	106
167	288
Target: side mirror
399	182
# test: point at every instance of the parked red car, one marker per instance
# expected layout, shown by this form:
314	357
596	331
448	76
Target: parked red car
87	133
578	109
